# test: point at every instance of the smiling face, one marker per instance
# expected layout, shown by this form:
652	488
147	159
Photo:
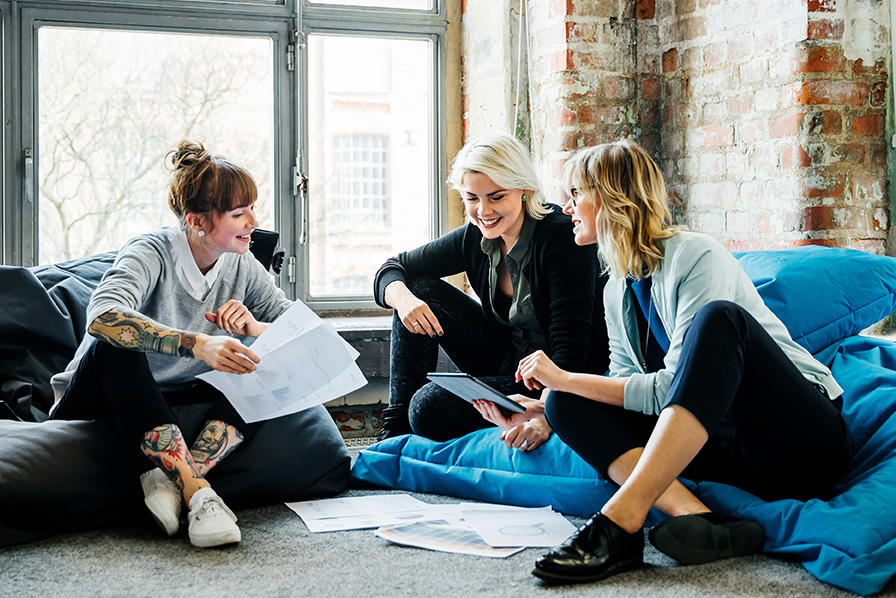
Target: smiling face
230	232
496	211
584	217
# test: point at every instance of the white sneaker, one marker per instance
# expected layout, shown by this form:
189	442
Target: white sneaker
211	522
163	498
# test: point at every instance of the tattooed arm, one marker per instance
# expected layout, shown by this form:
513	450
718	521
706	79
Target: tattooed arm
129	329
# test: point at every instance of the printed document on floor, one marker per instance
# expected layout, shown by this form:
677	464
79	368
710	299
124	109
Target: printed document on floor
304	362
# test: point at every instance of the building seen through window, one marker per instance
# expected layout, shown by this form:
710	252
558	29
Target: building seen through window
370	156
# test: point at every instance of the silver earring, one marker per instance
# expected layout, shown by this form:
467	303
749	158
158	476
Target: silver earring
525	196
202	233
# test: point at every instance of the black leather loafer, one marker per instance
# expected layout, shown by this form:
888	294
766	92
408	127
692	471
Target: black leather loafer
706	537
597	550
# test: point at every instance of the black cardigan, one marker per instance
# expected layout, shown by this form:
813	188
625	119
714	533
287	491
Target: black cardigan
567	292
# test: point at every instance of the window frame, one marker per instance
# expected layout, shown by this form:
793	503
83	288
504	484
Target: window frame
287	23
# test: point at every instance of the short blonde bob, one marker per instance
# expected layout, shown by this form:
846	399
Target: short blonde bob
506	162
633	215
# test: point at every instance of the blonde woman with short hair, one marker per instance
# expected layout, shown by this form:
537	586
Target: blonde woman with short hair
705	382
535	290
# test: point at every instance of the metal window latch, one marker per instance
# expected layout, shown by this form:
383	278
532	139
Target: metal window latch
29	176
291	57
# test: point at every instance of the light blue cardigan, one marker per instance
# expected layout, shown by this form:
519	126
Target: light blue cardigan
696	269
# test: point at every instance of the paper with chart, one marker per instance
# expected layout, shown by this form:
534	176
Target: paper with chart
539	527
304	362
361	512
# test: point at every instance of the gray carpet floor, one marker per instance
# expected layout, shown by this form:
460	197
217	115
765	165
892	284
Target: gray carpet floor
280	557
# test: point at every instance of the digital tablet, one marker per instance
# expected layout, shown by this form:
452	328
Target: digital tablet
471	389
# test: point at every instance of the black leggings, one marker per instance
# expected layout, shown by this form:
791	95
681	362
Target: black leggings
771	431
422	407
114	381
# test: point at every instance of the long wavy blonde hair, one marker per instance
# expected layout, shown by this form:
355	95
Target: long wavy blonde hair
633	214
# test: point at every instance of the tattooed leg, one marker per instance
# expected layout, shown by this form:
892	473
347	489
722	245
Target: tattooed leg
165	446
216	440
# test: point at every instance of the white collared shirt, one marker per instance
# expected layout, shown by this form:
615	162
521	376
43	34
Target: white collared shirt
194	281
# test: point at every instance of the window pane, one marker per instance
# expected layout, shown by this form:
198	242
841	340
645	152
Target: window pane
370	174
113	103
410	4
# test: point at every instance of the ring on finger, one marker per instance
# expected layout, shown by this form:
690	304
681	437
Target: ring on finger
524	445
416	323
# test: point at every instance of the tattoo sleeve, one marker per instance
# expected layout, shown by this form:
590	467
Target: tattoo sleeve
129	329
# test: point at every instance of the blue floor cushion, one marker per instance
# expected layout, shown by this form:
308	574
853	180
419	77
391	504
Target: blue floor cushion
824	296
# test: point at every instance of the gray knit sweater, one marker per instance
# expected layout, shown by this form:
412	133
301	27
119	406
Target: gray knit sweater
143	278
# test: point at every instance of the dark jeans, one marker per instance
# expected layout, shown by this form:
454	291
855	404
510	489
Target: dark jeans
118	382
422	407
772	432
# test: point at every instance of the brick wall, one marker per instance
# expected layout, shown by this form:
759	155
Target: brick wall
768	117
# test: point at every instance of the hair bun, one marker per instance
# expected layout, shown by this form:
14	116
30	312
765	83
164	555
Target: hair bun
188	155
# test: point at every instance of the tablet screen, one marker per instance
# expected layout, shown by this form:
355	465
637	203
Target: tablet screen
470	389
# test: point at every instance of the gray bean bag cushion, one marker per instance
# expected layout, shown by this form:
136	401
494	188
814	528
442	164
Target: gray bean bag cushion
58	476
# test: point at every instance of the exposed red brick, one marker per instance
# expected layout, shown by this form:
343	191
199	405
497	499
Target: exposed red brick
818	218
871	125
687	29
645	9
832	123
618	87
786	125
563	117
670	60
825	29
650	89
683	7
562	61
822	187
878	68
833	92
820	59
650	115
795	157
466	103
877	154
878	94
804	242
822	5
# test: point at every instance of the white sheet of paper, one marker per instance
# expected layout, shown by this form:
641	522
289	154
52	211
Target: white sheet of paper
444	537
520	527
304	362
360	512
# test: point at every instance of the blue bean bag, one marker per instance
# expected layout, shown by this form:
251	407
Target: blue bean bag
825	297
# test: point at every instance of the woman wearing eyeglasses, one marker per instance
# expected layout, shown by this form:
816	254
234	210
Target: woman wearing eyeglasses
535	290
704	383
